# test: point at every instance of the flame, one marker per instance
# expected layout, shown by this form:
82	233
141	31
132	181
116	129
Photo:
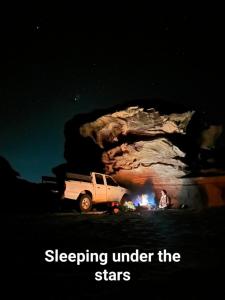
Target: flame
144	200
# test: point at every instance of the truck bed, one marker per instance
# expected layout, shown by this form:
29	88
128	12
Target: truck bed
75	187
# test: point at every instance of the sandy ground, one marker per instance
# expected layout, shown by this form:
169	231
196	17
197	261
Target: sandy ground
198	236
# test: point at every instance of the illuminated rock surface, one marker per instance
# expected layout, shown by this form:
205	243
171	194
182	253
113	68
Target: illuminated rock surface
148	145
148	148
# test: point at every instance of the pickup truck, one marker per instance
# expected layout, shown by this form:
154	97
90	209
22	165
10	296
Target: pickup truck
93	189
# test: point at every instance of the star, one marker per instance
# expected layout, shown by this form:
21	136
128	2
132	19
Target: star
76	98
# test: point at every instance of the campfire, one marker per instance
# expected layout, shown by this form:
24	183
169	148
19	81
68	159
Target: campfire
146	201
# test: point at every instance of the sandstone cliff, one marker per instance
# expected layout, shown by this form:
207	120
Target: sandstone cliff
148	148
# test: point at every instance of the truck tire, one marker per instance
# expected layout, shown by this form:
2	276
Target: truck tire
85	203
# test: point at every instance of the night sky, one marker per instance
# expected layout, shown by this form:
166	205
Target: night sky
57	65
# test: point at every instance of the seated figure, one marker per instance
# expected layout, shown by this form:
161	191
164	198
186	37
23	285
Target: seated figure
164	200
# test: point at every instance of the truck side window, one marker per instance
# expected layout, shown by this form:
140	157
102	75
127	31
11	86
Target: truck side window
110	181
99	179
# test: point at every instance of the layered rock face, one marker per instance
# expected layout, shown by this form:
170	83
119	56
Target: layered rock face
134	121
138	149
148	150
148	145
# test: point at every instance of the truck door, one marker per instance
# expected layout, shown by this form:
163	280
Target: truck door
100	189
112	190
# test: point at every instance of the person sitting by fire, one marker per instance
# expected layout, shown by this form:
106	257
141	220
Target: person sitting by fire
164	200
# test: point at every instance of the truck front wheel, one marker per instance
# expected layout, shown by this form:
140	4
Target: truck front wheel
124	200
85	203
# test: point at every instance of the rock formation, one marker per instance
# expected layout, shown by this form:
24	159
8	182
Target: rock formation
148	148
134	121
148	143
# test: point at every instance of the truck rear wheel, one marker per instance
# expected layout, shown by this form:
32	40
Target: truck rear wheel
85	203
